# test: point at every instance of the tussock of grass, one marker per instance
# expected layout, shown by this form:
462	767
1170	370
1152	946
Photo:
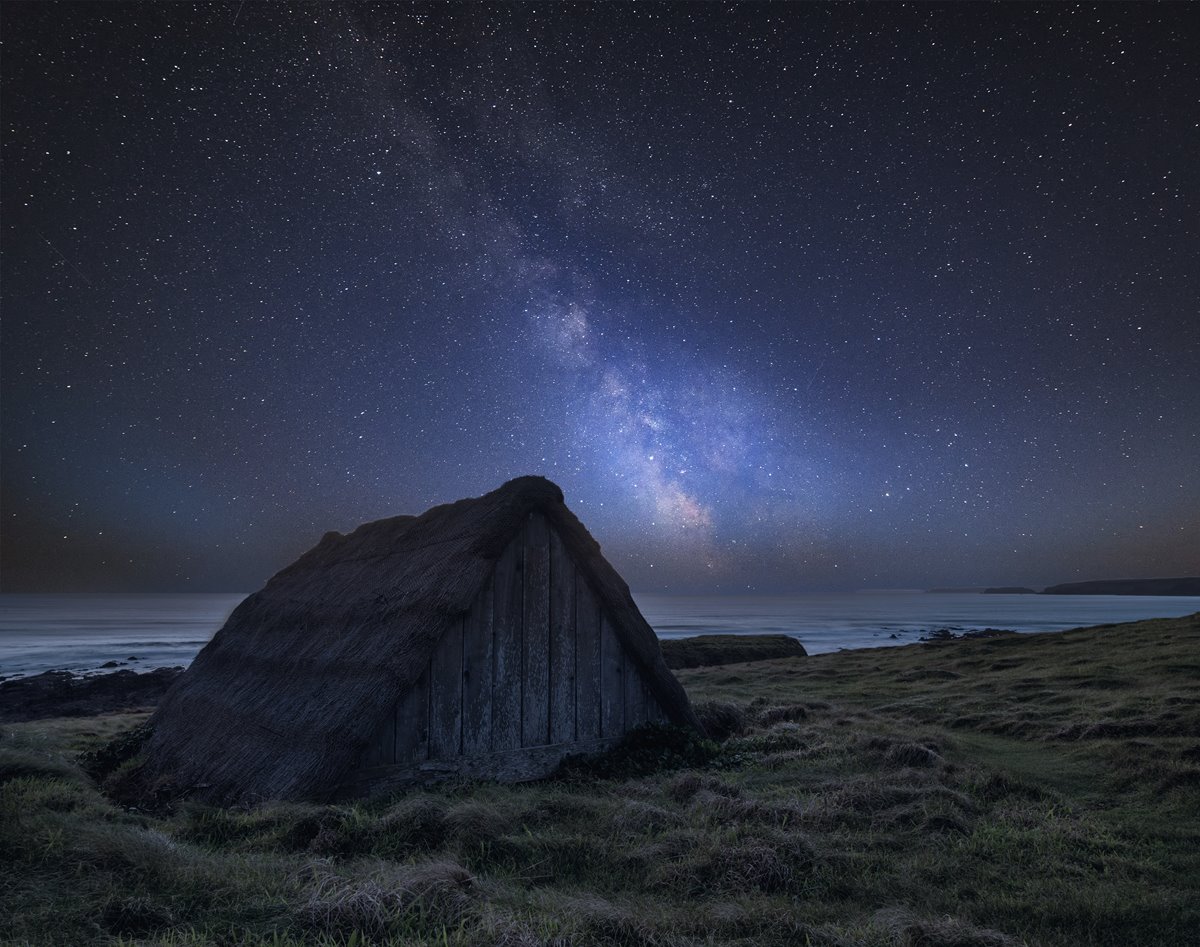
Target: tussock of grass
769	716
712	863
104	760
635	817
907	930
912	754
381	896
479	822
685	786
650	749
723	808
288	827
722	718
136	915
24	762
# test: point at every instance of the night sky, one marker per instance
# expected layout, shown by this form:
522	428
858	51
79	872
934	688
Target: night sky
785	298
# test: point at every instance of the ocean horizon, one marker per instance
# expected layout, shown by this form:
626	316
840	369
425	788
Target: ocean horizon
83	632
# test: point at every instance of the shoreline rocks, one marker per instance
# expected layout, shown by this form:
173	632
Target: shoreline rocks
710	650
63	694
957	634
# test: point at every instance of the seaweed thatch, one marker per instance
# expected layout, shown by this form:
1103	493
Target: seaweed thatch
287	694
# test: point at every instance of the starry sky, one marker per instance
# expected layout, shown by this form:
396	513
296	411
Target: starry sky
786	298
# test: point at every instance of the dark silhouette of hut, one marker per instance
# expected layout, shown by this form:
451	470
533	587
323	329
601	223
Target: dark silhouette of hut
485	638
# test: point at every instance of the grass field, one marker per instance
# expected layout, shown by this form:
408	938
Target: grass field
1035	789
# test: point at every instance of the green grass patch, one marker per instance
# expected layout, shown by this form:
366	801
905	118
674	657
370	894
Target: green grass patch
1039	790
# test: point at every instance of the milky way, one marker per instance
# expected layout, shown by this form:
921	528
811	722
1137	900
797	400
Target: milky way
785	297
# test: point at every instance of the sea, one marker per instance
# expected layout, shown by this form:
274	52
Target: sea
90	633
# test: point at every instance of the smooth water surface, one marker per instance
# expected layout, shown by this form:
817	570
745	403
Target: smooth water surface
82	632
871	620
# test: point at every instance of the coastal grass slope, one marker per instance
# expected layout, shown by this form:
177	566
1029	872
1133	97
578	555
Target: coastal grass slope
707	650
1036	789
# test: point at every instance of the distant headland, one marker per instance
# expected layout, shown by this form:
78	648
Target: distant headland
1187	585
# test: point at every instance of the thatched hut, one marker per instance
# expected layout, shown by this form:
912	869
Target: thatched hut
485	638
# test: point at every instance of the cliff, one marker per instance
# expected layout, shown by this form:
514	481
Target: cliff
1189	585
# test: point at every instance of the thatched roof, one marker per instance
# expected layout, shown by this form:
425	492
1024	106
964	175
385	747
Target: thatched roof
290	690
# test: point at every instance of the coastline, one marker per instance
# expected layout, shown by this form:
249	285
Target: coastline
62	692
83	633
1024	768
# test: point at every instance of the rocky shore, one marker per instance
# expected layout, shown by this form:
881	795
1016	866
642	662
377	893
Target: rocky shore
63	694
954	633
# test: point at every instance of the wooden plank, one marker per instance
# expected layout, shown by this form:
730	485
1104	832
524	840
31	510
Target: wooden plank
535	651
587	659
446	694
635	695
372	756
412	722
612	681
477	675
517	765
507	614
562	642
654	713
381	751
387	741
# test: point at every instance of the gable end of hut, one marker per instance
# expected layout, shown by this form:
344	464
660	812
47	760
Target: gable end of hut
533	672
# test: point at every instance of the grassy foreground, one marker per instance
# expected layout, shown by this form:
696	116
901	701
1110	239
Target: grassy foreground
1035	789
